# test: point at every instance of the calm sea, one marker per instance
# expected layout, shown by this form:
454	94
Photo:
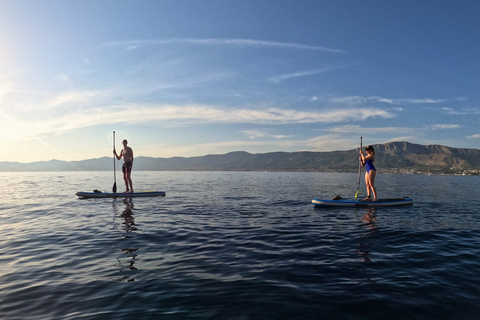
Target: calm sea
237	245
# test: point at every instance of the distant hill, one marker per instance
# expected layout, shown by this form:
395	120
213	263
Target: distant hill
393	157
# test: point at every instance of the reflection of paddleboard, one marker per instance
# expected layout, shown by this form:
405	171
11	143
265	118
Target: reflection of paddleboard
361	203
101	194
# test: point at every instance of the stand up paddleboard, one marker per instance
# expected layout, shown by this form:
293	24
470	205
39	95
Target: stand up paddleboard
102	194
363	204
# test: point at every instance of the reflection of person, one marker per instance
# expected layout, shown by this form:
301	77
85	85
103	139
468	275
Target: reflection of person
370	222
128	229
127	154
371	172
369	218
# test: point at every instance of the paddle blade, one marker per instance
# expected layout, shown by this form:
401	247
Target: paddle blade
356	194
114	189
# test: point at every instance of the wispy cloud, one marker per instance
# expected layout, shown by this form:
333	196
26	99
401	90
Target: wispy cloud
219	147
330	142
4	90
64	78
134	113
349	129
464	111
442	126
135	44
14	131
72	98
377	99
474	136
280	78
256	134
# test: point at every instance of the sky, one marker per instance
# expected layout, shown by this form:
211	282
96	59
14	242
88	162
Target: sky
196	77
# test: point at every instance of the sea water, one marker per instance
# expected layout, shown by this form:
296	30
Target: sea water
237	245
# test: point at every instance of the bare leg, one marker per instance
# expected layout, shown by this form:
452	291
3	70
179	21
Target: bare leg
367	184
373	173
128	181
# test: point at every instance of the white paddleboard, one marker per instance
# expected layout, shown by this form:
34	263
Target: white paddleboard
102	194
363	204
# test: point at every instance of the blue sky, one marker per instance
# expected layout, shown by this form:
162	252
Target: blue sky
190	78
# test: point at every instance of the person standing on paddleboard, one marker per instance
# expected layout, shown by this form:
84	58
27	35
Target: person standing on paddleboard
371	172
127	154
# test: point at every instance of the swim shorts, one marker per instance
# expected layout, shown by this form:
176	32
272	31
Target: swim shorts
127	167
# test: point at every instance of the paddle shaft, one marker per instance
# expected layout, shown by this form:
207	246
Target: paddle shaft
359	171
114	189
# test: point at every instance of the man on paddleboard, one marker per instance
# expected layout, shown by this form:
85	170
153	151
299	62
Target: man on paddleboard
127	154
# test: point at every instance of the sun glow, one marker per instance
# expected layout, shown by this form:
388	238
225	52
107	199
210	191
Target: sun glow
13	131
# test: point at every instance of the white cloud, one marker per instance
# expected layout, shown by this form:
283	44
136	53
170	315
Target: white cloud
135	44
362	130
362	100
475	136
464	111
323	143
330	142
280	78
218	148
256	134
64	78
71	98
443	126
134	113
4	90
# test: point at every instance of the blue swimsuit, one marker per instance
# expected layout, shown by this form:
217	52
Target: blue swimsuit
370	166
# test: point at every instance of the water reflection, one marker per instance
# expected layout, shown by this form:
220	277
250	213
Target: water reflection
369	231
127	228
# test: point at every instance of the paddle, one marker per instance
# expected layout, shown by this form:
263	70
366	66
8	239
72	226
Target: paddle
114	189
359	171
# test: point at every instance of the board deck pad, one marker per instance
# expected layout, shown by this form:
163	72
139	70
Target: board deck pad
102	194
362	203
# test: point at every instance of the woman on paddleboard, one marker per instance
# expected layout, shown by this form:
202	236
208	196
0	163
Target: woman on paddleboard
367	161
127	154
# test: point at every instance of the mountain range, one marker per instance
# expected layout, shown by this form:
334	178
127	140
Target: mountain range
392	157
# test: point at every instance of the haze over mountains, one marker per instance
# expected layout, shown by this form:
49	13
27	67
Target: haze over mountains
393	157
